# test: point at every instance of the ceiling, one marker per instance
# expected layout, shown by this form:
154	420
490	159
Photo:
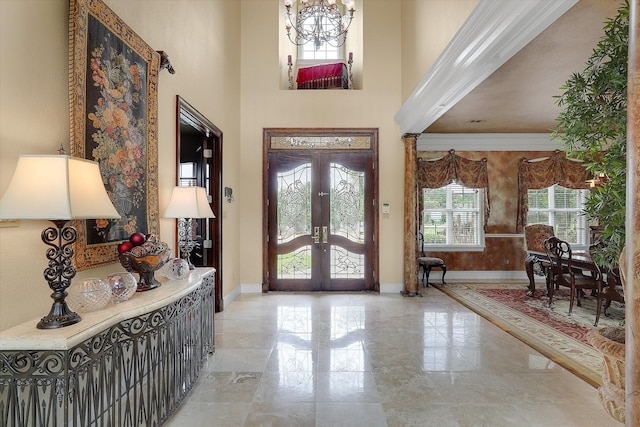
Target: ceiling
519	96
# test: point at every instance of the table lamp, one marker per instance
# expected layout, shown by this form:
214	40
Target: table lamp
57	188
186	204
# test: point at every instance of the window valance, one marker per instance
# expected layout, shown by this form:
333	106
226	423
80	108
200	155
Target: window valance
453	168
543	173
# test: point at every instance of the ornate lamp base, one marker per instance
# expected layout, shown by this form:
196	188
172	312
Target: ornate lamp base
59	316
59	274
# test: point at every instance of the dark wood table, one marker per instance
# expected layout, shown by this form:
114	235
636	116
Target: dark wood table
579	259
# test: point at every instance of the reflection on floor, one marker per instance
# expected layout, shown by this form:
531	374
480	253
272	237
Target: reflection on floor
287	359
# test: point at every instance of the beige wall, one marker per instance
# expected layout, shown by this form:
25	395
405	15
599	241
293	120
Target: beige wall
227	63
263	104
202	39
427	27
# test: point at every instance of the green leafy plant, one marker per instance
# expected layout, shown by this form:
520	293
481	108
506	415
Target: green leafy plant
593	128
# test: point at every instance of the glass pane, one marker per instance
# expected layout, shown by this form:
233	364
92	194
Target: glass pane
345	264
346	189
294	203
538	217
465	230
435	198
565	226
538	199
565	198
463	197
295	265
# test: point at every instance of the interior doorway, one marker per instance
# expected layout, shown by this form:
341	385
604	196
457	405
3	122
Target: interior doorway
321	217
199	163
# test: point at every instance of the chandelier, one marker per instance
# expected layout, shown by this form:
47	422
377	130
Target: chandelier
318	21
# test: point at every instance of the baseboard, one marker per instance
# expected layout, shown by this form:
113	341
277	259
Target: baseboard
391	288
434	277
251	288
231	296
477	276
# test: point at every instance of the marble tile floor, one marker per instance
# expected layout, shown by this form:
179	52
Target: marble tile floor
358	359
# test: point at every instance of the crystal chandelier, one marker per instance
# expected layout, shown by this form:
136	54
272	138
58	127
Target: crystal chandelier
318	21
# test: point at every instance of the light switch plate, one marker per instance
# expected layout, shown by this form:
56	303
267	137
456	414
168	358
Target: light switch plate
8	223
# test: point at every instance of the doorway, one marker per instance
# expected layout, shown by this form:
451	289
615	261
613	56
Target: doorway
321	217
199	163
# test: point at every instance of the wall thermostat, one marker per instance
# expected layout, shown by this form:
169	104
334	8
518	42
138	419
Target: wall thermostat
386	208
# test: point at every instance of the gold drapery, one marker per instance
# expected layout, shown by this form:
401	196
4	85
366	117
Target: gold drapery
453	168
536	174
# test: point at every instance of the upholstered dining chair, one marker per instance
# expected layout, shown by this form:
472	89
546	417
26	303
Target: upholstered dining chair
426	263
562	273
535	235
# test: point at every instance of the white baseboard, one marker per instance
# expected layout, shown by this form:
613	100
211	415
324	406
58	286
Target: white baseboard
231	296
251	288
476	276
434	277
391	288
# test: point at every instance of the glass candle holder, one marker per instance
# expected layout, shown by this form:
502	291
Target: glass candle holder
123	285
88	295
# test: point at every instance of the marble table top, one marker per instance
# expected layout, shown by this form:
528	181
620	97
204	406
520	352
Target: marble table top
27	337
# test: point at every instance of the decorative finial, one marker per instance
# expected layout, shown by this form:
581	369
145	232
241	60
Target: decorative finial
165	63
61	150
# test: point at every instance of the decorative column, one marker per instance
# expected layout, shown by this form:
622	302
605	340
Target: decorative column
632	292
410	200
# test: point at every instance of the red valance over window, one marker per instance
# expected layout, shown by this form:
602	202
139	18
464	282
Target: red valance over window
325	76
440	172
543	173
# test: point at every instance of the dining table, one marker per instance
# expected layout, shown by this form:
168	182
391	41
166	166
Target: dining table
580	260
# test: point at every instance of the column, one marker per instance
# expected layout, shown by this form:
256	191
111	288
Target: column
632	295
410	203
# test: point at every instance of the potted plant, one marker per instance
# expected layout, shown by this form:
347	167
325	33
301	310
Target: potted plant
593	128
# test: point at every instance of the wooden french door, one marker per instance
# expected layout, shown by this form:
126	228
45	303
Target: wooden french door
321	220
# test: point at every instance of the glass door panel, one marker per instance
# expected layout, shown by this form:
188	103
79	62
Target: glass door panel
319	216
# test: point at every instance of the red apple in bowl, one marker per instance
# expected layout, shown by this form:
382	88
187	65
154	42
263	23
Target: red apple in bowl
125	246
137	239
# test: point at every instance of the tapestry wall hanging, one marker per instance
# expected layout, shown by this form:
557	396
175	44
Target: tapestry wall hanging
113	97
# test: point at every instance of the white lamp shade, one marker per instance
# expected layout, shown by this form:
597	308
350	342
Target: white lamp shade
189	202
56	187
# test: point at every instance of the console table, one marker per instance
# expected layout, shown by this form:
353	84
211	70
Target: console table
129	364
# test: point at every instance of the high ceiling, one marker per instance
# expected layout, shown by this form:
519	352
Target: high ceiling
519	96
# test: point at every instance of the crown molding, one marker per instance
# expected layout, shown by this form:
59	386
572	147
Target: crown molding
487	142
493	33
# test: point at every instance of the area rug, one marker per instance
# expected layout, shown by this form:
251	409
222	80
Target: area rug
549	330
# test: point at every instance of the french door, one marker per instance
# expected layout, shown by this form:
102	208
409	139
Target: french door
321	220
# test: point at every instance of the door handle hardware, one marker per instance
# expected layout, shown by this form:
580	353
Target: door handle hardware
316	234
320	194
324	234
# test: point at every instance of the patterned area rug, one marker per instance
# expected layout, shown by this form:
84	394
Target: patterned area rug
549	330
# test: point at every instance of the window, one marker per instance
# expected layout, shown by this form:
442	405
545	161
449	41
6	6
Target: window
452	217
309	52
188	173
561	208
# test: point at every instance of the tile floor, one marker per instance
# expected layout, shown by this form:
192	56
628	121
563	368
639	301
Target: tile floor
287	359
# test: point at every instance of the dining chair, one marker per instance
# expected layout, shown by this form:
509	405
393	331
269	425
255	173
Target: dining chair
562	273
534	237
426	263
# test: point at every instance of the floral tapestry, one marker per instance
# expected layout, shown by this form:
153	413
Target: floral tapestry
113	93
